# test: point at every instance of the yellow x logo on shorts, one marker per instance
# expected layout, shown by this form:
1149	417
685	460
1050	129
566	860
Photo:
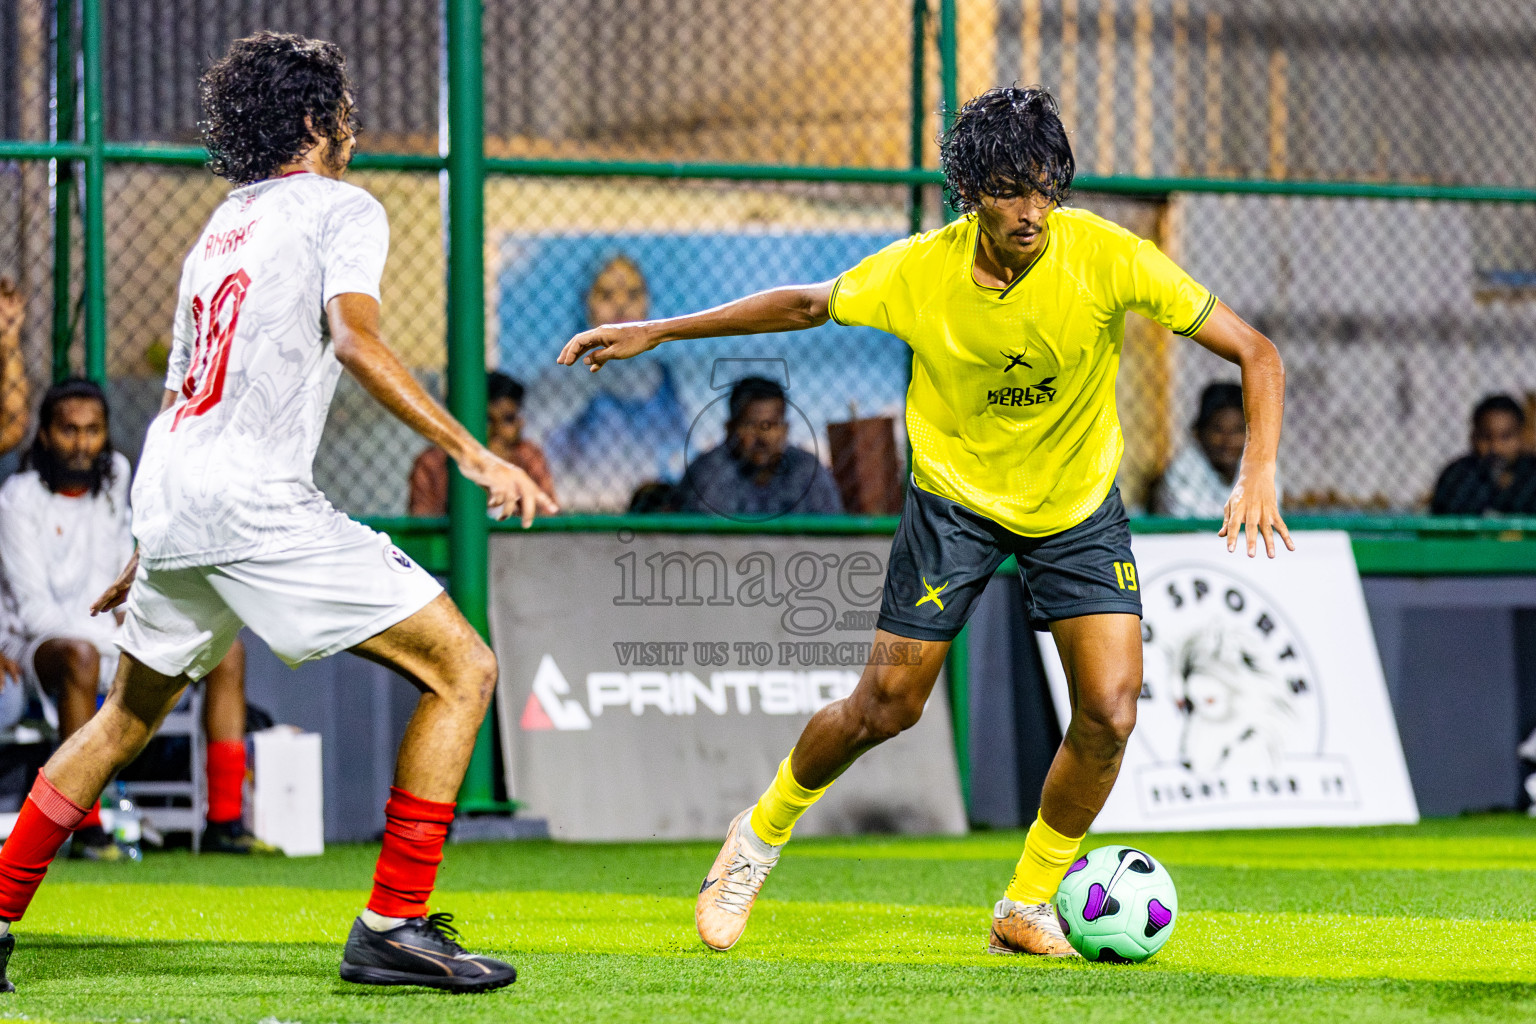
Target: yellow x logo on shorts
933	594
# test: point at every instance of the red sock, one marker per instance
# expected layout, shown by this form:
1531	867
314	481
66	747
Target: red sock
92	816
226	777
47	818
414	831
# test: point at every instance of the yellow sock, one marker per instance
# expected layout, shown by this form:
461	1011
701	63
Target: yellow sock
781	805
1047	855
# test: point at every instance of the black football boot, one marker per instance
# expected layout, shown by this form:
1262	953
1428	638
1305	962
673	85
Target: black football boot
421	951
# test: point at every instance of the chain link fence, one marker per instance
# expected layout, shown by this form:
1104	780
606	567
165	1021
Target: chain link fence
1394	315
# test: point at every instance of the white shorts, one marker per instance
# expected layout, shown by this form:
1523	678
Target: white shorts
306	602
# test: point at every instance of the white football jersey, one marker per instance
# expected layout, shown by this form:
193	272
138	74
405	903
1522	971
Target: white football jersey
227	472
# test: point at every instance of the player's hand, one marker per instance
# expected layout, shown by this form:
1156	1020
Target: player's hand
10	672
1254	509
117	593
610	341
508	489
13	309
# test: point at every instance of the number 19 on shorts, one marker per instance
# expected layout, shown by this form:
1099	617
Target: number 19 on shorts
1125	575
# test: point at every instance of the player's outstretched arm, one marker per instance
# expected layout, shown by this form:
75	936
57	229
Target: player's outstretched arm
791	308
354	323
1253	507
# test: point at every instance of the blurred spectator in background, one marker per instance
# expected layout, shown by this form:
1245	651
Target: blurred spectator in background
617	431
654	496
64	537
503	436
1498	475
1198	482
15	393
618	294
756	471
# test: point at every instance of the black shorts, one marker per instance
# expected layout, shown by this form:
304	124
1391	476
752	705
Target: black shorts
944	554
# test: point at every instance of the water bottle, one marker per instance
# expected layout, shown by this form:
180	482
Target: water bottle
127	824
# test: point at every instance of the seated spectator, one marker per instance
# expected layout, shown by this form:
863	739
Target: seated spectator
755	471
1497	475
1199	480
654	496
64	537
503	436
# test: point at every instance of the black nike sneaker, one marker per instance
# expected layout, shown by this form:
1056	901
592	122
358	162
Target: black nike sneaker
7	947
422	951
231	837
94	843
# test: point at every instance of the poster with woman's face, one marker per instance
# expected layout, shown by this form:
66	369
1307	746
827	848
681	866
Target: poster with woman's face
608	433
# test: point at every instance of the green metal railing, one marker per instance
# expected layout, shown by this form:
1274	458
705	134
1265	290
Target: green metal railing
457	544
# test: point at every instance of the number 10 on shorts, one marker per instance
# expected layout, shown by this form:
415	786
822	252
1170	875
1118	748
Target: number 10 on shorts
1125	575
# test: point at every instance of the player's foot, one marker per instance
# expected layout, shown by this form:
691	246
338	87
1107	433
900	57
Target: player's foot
1031	929
422	951
231	837
94	843
7	947
732	885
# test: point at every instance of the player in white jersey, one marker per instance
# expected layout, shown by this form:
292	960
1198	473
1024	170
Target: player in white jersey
280	293
65	533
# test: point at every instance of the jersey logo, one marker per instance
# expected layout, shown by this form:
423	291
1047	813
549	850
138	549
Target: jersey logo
1015	359
1030	394
933	594
398	560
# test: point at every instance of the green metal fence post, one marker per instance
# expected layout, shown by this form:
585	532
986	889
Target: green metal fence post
95	221
949	72
919	102
468	574
64	98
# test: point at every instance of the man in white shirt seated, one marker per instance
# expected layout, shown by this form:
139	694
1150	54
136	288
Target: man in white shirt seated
64	537
1198	482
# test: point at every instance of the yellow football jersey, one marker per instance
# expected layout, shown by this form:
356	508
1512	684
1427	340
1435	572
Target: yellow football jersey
1011	410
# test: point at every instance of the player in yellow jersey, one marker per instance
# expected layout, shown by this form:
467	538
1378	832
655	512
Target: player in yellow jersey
1015	314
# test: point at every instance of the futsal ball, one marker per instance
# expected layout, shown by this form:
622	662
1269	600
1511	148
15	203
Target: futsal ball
1117	905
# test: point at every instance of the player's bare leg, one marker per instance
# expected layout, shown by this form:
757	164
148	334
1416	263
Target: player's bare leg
394	941
137	703
70	673
442	655
224	697
888	700
1102	658
224	725
71	782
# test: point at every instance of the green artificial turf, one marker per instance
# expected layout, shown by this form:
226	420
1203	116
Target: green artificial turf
1434	922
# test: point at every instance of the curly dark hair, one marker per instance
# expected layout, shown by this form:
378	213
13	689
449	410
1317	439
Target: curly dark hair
1006	143
267	98
55	476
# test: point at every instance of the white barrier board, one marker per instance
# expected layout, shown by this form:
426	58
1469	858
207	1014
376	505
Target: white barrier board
651	683
1263	703
288	804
